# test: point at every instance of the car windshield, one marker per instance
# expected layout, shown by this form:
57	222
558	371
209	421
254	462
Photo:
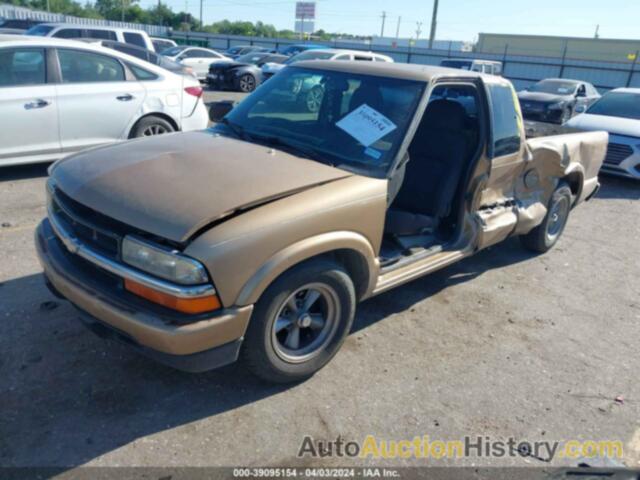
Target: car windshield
310	55
556	87
355	122
617	104
39	30
173	51
251	57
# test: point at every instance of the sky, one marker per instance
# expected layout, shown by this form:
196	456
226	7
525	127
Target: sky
457	19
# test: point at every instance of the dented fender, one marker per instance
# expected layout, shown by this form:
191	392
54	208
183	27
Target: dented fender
573	158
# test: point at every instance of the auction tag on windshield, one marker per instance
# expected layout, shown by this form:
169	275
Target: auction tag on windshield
366	125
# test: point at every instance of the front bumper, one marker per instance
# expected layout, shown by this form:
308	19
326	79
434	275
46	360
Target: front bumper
201	345
623	157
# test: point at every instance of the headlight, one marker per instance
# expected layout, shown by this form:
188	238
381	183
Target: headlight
556	106
163	263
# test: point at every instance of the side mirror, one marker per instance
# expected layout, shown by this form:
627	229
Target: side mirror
218	110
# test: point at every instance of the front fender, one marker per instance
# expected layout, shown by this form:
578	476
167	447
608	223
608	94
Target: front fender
305	250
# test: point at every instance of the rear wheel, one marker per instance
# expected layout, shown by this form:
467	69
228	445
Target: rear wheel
542	238
247	83
150	126
300	322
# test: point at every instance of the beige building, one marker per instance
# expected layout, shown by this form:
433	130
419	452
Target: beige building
571	47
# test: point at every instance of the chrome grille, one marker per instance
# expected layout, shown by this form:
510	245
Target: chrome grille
617	153
77	220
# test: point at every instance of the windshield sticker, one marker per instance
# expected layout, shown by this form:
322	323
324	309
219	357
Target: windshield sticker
366	125
372	152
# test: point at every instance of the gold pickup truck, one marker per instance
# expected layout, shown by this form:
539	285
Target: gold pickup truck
257	238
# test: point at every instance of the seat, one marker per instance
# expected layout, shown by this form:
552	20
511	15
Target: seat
369	94
437	157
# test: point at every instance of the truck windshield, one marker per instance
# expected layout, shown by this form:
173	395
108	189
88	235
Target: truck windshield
355	122
617	104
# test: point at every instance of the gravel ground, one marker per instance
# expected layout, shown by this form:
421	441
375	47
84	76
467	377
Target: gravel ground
504	344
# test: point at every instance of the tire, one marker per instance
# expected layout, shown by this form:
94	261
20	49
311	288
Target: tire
148	125
247	83
313	99
272	349
542	238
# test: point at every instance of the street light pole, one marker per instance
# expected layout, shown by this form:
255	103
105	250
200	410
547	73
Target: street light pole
384	17
434	22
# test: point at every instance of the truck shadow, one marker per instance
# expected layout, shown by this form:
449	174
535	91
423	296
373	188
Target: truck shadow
69	397
617	187
23	172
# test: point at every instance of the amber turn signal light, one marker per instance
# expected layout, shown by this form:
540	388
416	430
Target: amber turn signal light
185	305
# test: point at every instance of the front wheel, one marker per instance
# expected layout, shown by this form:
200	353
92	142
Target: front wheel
300	322
542	238
247	83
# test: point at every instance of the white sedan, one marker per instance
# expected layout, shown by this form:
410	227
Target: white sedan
197	58
59	96
270	69
617	112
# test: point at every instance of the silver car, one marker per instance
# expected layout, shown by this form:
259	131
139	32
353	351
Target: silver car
617	112
61	96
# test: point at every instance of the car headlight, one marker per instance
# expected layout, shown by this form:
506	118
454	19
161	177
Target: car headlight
556	106
166	264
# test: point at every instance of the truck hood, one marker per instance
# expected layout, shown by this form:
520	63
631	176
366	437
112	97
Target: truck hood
174	185
616	125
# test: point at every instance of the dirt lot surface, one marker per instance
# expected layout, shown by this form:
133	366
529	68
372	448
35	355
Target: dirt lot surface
504	344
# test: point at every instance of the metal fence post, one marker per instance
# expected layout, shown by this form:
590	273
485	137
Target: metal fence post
564	57
633	67
409	54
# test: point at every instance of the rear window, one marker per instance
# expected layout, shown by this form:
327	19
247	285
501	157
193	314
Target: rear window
68	33
504	119
22	66
89	67
135	39
142	74
102	34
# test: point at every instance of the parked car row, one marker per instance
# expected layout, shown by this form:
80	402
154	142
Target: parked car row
63	96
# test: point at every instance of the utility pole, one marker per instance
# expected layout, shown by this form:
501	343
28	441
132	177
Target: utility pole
122	16
302	27
384	17
398	28
434	23
48	6
597	35
418	30
201	24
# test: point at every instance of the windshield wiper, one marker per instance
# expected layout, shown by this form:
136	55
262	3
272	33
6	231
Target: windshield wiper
237	130
294	148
